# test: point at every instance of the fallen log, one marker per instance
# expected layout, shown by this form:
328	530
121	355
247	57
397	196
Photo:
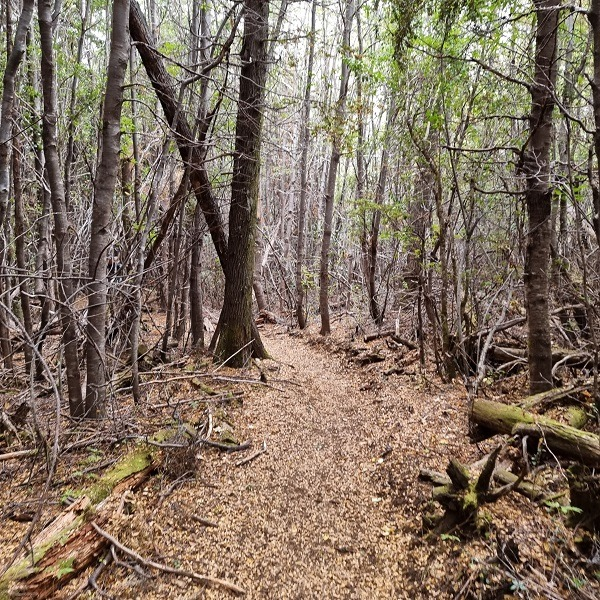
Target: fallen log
566	357
391	333
68	545
551	396
525	488
562	439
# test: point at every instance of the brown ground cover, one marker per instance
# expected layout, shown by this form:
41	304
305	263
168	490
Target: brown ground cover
332	509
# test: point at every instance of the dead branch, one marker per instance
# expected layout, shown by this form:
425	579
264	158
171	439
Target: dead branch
206	579
254	455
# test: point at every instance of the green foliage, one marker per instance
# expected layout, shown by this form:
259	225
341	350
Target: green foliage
564	509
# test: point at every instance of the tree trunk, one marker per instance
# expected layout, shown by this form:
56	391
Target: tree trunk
196	310
15	56
106	180
8	102
538	196
334	161
235	339
191	153
20	252
305	136
62	235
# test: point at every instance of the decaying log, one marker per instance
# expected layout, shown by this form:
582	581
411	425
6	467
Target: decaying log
525	488
562	439
368	358
392	334
69	544
551	396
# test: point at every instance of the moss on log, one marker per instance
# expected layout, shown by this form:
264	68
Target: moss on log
562	439
68	545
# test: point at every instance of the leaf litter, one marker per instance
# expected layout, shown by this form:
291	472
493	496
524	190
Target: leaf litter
330	507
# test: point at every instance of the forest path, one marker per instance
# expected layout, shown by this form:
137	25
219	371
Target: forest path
331	510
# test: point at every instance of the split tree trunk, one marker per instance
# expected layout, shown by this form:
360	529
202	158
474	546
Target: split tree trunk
191	153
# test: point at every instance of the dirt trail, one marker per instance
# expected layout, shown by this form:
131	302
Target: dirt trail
330	510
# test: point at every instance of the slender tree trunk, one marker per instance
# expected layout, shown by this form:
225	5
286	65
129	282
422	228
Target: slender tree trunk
20	252
257	284
235	339
8	102
85	18
371	245
62	236
594	18
538	196
106	181
334	161
15	51
196	309
305	135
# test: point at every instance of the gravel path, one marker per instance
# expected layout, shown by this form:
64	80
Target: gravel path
330	510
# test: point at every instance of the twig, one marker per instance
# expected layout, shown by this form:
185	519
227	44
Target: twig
254	455
17	454
225	447
193	517
234	354
165	568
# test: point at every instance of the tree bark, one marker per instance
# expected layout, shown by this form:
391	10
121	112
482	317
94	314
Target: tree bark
334	161
235	339
538	196
8	102
62	235
305	136
106	181
191	153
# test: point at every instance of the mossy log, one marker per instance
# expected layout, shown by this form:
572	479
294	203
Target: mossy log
69	544
551	396
462	494
525	488
561	439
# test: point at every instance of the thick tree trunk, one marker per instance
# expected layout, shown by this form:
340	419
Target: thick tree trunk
235	340
106	181
334	161
191	153
538	196
62	235
305	136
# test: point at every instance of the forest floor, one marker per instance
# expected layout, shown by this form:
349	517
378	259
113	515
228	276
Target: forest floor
333	508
